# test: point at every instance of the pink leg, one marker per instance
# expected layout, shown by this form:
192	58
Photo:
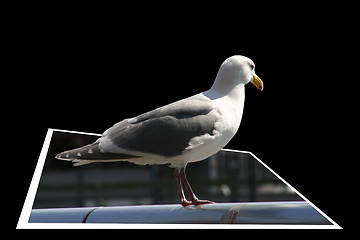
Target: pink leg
183	200
194	199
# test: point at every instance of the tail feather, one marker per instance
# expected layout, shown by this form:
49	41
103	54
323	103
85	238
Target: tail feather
91	153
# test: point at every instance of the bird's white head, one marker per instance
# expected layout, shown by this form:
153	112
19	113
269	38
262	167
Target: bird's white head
237	70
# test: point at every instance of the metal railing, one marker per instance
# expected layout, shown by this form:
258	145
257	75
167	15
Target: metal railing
297	212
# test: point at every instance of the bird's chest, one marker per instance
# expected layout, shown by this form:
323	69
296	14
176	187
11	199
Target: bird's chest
229	118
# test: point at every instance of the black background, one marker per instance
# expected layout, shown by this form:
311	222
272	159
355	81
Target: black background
86	75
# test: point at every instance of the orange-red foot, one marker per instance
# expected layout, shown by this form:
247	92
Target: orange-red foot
199	202
185	202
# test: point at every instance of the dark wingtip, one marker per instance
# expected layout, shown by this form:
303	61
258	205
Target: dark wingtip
63	156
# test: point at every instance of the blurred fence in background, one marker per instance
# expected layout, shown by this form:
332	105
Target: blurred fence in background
224	177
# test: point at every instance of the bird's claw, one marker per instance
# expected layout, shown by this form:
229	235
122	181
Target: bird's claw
199	202
195	202
185	203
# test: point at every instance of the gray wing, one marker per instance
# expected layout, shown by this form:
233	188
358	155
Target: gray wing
165	131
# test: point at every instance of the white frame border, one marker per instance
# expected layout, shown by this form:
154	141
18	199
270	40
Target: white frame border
30	197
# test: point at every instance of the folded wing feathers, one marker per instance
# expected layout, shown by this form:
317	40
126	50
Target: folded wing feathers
90	153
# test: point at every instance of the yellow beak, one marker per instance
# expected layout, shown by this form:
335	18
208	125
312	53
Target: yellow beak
257	82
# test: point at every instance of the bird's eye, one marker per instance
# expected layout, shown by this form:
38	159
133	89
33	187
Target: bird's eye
252	66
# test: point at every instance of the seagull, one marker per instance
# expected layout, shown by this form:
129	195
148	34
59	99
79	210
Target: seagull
186	131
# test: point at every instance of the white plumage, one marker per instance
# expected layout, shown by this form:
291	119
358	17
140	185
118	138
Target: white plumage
188	130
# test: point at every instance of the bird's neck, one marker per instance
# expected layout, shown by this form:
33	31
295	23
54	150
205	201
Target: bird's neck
223	88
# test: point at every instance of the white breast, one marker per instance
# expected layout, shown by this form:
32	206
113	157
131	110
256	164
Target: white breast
229	111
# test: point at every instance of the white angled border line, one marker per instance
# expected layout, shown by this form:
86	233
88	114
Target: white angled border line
30	197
